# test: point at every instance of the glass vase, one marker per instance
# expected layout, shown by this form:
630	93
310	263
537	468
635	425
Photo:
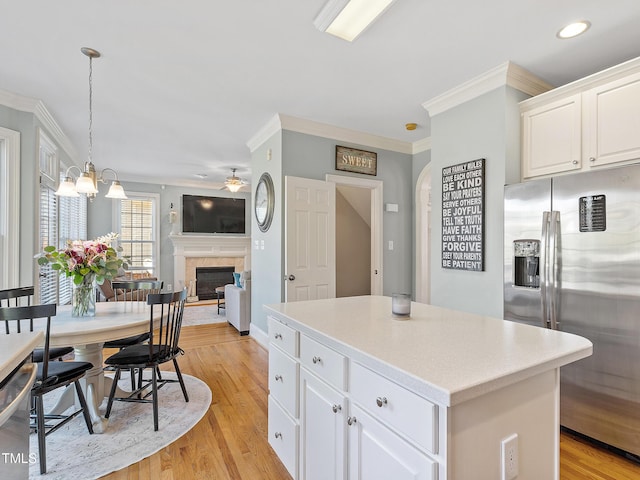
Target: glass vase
83	298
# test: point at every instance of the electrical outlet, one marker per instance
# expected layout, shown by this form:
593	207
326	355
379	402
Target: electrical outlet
509	457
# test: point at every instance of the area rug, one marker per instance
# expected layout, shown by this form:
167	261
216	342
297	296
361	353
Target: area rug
74	454
202	315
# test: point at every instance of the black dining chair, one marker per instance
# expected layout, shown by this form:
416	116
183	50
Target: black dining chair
132	291
50	376
23	296
165	323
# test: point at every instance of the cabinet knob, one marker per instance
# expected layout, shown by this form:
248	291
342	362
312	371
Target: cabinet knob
336	408
278	336
278	435
381	401
278	378
575	162
592	159
316	360
351	420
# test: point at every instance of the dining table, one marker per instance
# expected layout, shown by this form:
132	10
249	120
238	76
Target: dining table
112	321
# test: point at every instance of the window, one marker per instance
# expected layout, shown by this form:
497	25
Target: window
137	227
61	219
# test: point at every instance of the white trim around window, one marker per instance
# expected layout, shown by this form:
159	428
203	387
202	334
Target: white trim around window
9	207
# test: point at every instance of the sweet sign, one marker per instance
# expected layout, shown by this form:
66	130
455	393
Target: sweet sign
463	216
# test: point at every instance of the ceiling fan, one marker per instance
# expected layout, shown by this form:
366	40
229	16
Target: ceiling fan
234	183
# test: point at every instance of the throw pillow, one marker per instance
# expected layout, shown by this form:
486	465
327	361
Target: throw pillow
236	279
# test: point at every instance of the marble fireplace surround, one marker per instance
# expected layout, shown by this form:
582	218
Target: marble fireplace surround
191	251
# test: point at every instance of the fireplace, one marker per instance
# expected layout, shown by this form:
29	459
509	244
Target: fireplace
196	251
209	278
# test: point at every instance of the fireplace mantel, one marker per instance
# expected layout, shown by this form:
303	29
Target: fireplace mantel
206	246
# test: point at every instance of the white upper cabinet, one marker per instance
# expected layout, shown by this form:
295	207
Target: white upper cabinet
552	136
589	123
613	124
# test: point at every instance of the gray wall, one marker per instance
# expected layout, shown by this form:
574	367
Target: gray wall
309	156
267	259
485	127
100	219
27	124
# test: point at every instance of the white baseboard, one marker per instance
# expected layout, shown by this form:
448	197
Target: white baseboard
259	336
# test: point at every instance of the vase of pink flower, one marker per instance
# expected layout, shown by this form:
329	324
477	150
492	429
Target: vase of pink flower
88	263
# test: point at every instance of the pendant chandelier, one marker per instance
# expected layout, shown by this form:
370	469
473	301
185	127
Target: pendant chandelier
88	179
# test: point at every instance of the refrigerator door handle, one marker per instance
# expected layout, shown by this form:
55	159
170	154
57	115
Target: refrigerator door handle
544	268
554	269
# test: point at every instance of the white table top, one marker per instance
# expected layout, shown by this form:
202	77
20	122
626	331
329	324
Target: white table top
113	320
445	355
14	348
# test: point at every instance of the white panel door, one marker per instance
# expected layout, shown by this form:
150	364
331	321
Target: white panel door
310	256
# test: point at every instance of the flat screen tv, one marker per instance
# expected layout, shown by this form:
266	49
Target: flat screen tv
202	214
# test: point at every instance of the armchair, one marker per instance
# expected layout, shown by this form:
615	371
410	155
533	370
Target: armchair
238	304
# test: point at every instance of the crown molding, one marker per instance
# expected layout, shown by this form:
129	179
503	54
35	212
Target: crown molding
42	114
272	127
310	127
508	74
420	146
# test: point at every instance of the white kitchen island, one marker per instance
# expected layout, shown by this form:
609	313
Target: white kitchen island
356	393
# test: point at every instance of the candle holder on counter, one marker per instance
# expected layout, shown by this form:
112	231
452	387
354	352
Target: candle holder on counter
401	305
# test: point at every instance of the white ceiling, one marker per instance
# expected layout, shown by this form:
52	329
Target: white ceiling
182	86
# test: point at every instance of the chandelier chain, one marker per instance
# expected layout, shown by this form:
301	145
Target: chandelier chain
90	106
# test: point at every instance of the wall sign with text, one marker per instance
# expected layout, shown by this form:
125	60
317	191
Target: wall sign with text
357	161
463	216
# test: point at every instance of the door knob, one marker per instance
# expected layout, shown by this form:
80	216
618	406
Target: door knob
291	278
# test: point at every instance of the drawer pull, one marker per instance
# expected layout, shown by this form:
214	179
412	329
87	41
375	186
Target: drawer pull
278	378
592	159
575	162
278	435
278	336
316	360
381	401
351	420
336	408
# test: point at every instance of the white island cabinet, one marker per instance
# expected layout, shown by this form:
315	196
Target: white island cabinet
355	393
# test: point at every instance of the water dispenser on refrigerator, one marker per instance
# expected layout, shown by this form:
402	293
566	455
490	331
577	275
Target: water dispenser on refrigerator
526	260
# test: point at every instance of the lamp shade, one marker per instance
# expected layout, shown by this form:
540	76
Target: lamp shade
116	191
85	184
67	188
234	187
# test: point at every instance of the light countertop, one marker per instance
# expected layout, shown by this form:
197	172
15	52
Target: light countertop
14	348
446	355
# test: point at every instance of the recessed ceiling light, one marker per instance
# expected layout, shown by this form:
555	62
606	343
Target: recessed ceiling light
347	19
574	29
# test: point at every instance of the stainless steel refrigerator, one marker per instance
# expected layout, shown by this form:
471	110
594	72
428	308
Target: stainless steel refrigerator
572	262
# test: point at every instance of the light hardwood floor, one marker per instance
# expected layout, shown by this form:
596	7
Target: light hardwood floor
230	442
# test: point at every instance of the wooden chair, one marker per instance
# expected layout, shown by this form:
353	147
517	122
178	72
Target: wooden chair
50	376
164	334
23	296
132	291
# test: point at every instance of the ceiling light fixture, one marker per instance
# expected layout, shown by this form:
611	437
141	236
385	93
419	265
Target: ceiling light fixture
233	183
574	29
88	179
349	18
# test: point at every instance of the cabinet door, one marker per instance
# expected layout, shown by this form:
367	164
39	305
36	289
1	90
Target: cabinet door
551	138
322	430
376	453
613	123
